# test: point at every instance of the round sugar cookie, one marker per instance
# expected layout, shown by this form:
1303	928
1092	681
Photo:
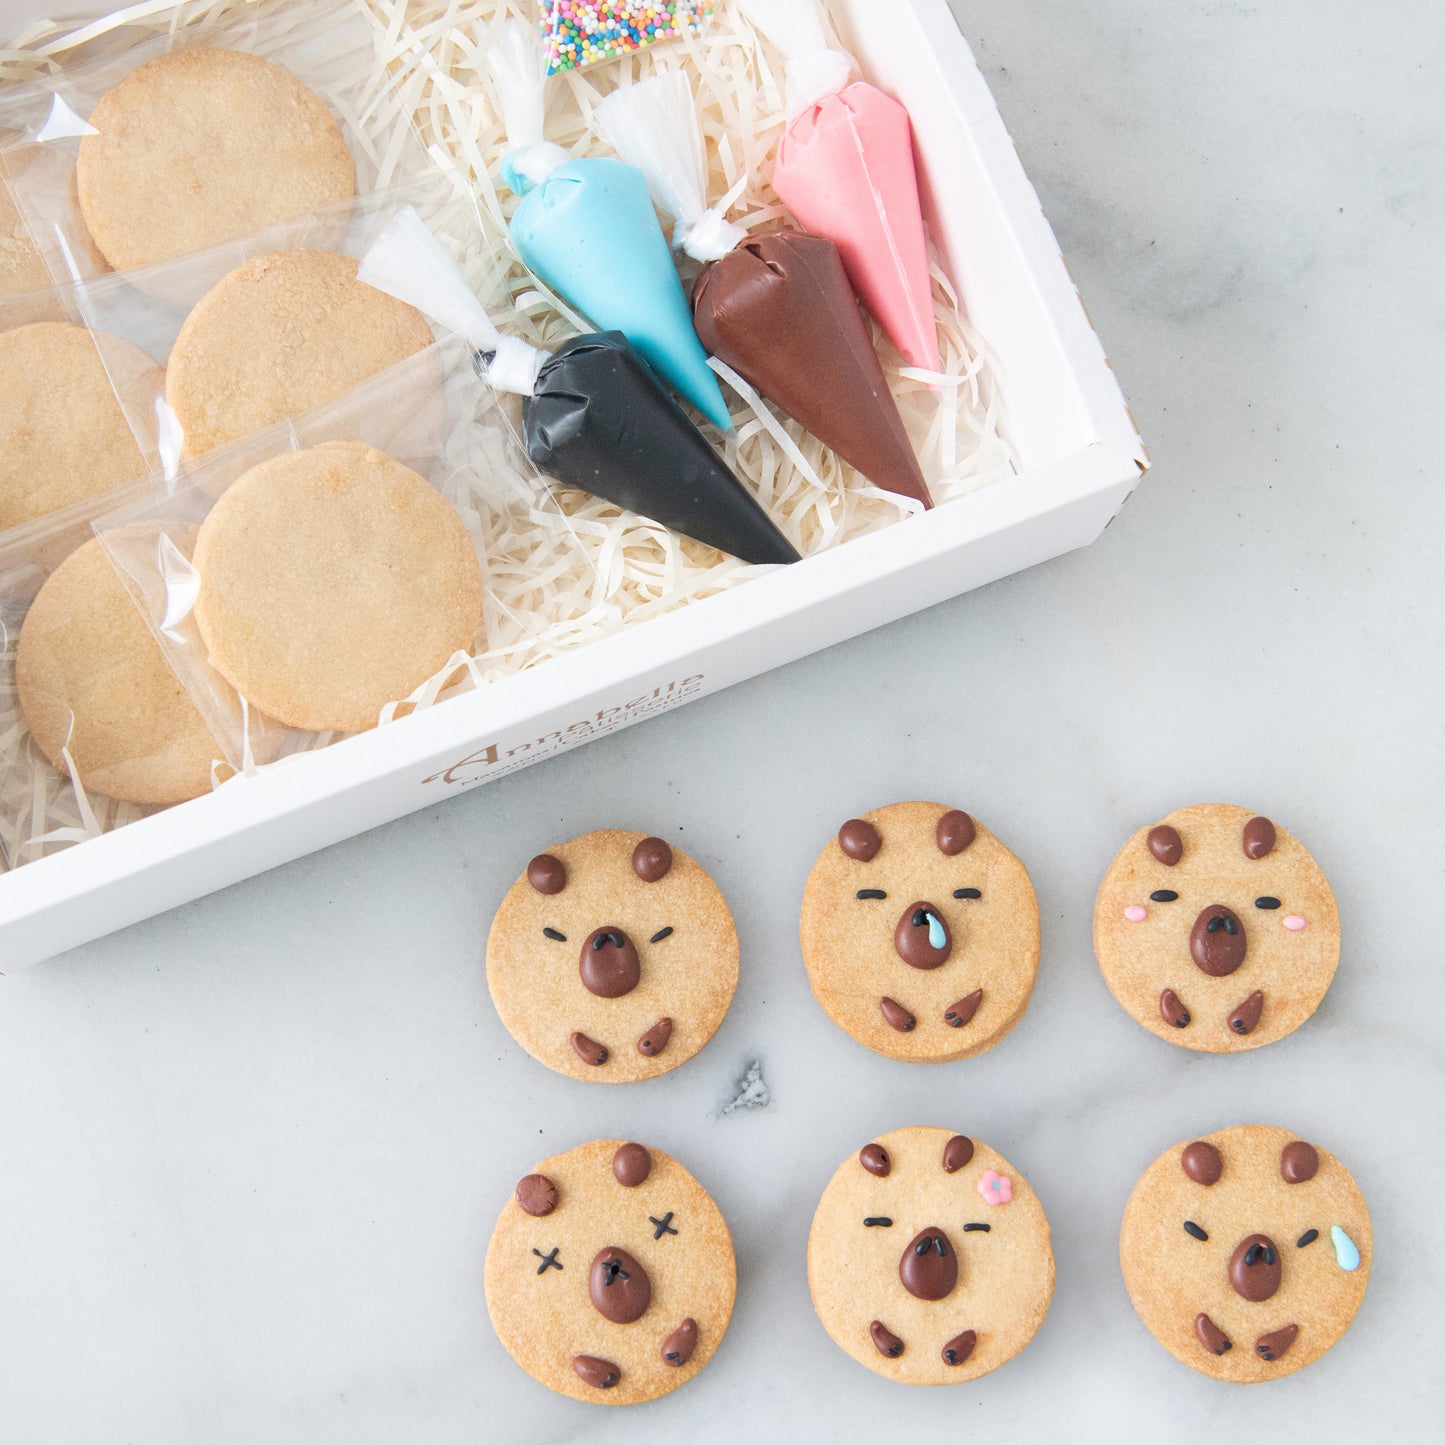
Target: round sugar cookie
200	146
929	1258
278	336
334	580
613	957
1246	1252
63	435
91	677
1216	929
920	932
610	1275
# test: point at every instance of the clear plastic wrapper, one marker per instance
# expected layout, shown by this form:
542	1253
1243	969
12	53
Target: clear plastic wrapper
262	569
181	104
95	728
265	327
67	436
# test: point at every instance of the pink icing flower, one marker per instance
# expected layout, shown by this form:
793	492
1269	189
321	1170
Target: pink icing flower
1294	922
1136	913
995	1188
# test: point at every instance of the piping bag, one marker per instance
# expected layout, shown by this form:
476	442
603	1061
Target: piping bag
845	169
594	414
777	308
587	228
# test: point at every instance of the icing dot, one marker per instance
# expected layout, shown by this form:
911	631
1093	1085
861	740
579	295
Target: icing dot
1136	913
1294	922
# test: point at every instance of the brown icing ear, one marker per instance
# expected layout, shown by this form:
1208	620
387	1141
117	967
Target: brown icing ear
859	840
955	832
956	1153
651	860
1166	844
536	1195
1259	838
1298	1162
1202	1162
547	874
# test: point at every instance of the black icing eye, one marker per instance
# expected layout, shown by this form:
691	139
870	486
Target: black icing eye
1266	902
871	893
554	935
660	935
1163	895
1308	1237
878	1221
967	893
970	1228
1191	1228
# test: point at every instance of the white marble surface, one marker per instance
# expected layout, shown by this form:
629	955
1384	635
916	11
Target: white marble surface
250	1152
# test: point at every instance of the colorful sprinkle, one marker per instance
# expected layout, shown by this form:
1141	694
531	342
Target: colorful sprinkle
1347	1254
584	32
995	1188
1136	913
1294	922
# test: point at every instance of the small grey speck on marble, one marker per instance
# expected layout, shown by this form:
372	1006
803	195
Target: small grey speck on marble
752	1090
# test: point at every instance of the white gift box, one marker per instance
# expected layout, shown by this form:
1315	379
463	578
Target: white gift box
1079	456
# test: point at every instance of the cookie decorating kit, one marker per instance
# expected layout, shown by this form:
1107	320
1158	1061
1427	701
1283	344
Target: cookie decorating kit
1076	457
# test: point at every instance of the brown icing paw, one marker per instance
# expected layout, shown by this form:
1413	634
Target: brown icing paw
591	1264
1216	904
893	1286
920	902
1254	1226
635	942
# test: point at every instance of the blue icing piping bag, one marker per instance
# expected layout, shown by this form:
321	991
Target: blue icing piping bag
586	227
594	414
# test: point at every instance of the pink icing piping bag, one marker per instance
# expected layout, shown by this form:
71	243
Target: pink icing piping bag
846	170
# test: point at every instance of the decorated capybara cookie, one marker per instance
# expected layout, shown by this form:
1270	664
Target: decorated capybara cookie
613	957
1216	929
610	1276
929	1258
920	932
1246	1252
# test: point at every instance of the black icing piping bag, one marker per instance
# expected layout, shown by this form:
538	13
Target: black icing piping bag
594	415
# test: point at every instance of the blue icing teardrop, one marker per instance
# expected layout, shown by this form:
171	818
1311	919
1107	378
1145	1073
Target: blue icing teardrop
936	936
1347	1254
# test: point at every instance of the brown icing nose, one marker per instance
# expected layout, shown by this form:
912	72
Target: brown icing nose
929	1267
922	937
609	964
1254	1268
1217	942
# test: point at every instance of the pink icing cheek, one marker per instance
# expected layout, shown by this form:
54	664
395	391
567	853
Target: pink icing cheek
1293	922
1136	913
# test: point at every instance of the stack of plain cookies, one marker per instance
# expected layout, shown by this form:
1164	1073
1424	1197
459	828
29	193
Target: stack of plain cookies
610	1275
333	580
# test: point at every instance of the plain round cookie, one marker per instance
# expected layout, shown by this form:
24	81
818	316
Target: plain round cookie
610	1276
334	580
1216	930
200	146
929	1258
920	933
628	915
1246	1252
90	676
278	336
65	438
